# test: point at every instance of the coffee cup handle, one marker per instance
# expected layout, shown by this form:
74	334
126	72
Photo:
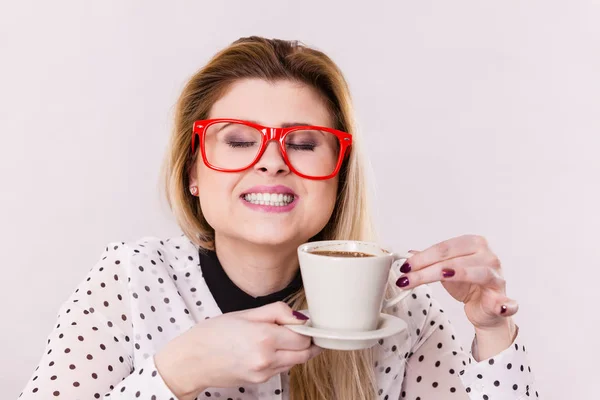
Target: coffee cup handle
403	292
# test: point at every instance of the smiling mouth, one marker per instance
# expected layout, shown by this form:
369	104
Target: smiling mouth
269	199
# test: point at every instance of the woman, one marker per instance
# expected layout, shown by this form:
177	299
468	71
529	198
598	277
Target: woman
200	315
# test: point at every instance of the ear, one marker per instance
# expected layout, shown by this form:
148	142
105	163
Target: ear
193	173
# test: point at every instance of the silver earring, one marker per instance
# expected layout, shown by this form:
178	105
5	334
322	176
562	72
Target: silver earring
194	190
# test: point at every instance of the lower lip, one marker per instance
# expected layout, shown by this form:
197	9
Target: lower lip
271	209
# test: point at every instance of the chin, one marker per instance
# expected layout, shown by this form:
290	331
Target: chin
269	234
267	237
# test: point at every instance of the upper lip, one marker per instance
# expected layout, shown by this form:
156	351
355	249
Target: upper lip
278	189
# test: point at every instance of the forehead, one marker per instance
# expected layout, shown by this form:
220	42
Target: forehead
272	103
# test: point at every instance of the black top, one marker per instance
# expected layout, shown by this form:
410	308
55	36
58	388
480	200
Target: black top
228	296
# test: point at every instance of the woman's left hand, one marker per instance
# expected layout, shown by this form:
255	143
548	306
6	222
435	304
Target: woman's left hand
470	272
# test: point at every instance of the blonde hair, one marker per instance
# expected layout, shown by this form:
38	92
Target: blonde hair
346	375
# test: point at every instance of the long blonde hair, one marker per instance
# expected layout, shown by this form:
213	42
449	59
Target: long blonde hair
345	375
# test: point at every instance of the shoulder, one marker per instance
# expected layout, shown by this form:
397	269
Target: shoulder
176	252
422	313
415	307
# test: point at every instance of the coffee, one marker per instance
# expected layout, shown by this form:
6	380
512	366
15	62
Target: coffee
334	253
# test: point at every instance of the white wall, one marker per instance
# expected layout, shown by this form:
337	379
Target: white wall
480	118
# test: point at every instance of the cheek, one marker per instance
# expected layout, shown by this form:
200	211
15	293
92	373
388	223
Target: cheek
322	200
215	190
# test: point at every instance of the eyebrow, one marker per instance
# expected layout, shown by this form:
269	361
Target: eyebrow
287	124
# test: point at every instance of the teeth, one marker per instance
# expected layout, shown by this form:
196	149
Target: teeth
269	199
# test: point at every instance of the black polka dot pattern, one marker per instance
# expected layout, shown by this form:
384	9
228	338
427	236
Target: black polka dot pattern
114	322
142	295
435	366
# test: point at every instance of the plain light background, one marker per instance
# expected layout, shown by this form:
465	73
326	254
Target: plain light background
478	117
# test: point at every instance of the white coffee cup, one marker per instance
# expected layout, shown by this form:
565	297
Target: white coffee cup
347	293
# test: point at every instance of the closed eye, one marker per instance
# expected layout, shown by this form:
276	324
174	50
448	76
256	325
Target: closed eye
240	144
301	146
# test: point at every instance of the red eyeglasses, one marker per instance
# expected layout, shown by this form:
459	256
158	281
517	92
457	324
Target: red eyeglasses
232	145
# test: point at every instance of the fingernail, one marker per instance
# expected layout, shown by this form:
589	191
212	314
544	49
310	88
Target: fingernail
405	268
448	273
402	281
300	316
503	309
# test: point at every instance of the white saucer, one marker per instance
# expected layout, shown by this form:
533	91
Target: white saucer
343	340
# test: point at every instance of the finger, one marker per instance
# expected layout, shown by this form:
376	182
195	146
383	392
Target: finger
506	307
465	269
438	271
289	358
281	370
405	266
456	247
286	339
276	313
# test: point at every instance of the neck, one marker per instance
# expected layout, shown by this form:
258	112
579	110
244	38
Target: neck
257	270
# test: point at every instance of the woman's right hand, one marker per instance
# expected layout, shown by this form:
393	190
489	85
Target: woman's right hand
233	349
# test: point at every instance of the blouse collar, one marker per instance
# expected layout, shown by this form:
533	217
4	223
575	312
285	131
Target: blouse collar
228	296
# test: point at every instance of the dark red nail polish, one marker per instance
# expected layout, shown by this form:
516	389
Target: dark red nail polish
299	315
503	309
405	268
448	273
402	281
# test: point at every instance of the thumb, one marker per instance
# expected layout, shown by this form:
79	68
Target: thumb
276	313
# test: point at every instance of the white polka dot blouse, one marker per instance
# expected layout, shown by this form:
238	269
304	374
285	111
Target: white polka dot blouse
143	294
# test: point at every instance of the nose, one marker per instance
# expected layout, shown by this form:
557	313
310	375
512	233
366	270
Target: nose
272	162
